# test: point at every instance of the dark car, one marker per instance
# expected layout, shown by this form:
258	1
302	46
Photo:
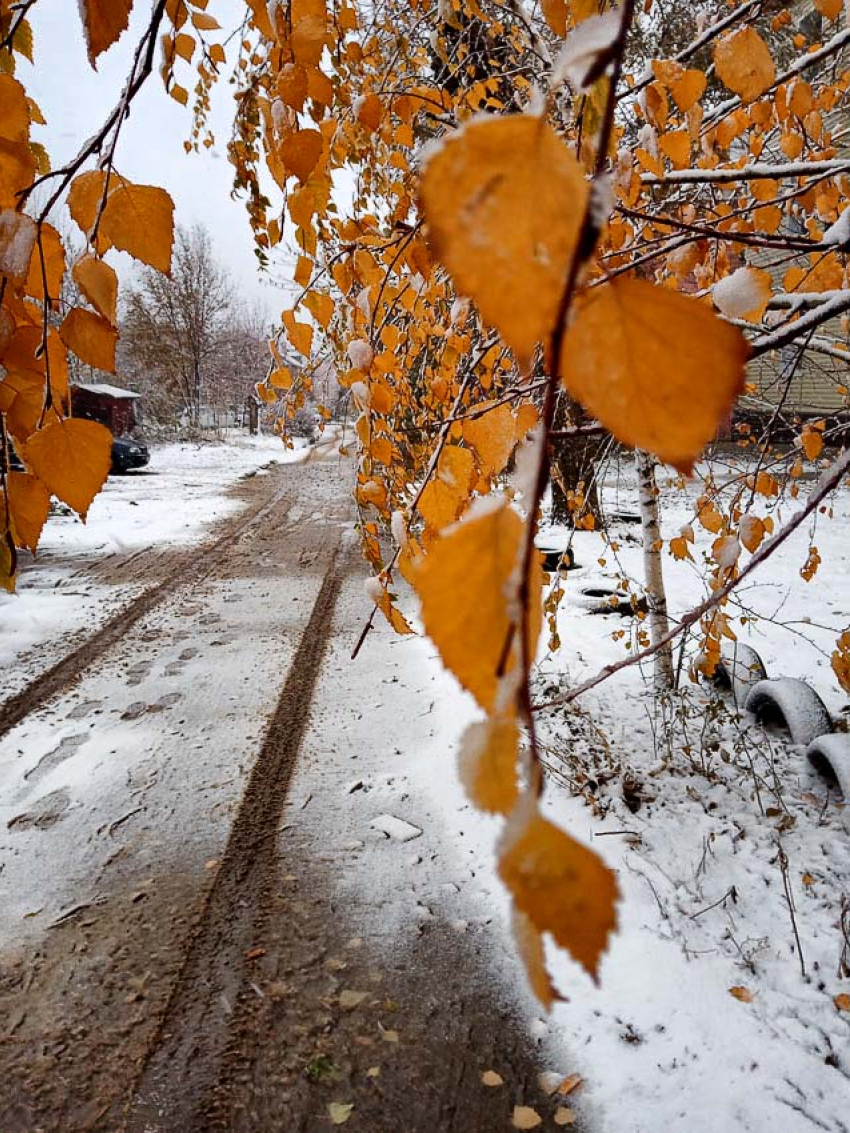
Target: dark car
128	454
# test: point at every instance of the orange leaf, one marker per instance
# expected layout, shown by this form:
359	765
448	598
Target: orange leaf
299	334
487	762
830	9
493	436
677	146
741	993
370	111
561	886
292	86
466	610
138	219
91	338
72	459
29	504
504	200
15	123
744	63
320	306
103	23
203	22
688	89
842	1001
812	441
660	370
529	945
447	492
555	15
99	284
54	266
300	152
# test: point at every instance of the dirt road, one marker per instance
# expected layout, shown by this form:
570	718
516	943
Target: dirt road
204	927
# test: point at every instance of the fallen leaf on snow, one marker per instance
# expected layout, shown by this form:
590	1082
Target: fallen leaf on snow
491	1078
742	993
564	1116
349	999
526	1118
340	1112
549	1081
842	1002
570	1083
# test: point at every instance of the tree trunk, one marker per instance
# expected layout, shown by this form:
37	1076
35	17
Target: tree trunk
573	466
656	596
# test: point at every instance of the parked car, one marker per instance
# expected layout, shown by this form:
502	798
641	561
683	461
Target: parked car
128	454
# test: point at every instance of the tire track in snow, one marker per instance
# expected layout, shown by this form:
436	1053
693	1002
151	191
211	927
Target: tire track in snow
183	1061
190	568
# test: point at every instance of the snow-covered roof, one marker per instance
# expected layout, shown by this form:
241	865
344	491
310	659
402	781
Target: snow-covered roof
105	390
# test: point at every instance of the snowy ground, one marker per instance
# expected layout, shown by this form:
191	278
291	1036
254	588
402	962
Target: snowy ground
710	822
707	1017
172	502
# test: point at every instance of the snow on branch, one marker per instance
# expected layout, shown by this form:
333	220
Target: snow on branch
756	171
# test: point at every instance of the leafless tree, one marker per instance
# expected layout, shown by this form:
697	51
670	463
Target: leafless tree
185	342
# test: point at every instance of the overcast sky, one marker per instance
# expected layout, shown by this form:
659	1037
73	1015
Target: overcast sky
75	99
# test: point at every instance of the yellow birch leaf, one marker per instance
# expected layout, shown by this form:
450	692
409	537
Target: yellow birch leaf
677	146
99	284
381	597
17	239
181	95
504	200
555	15
829	9
184	46
204	22
447	492
300	152
842	1001
72	460
29	504
687	89
299	334
529	945
741	993
370	112
138	219
53	267
15	122
91	337
309	28
487	763
493	436
18	168
103	23
744	63
561	886
8	562
320	306
812	441
658	369
292	86
22	402
751	531
462	584
281	378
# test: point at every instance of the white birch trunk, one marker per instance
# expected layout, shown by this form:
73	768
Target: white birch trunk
656	595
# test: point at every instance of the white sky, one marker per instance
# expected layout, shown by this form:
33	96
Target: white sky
74	99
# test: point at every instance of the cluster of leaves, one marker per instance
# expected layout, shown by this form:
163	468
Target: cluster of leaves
493	205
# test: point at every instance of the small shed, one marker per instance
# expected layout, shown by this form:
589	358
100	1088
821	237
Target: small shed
108	405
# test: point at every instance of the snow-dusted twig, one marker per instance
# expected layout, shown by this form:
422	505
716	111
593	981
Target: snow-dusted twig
756	171
789	332
828	481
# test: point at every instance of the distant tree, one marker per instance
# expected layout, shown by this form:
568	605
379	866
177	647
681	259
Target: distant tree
179	331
